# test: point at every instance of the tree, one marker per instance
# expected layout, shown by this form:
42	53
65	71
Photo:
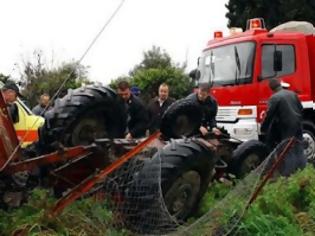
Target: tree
114	82
37	78
149	80
154	58
4	78
274	12
157	68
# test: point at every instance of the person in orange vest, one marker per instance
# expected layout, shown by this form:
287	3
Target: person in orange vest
25	123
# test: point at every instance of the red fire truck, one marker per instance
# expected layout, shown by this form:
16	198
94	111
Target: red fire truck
239	66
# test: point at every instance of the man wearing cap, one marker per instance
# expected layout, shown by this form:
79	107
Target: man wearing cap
209	109
10	93
284	120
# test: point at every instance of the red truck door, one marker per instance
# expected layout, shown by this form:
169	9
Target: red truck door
294	69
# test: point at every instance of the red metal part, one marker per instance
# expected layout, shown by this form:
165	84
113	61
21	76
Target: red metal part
8	138
72	173
52	158
89	182
276	164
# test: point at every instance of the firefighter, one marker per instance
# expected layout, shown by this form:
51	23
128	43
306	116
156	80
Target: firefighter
138	119
284	120
209	109
158	106
10	93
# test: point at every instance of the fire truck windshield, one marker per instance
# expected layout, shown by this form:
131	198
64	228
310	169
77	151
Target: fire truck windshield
228	65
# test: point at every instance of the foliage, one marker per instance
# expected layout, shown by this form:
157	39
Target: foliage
85	217
154	58
4	78
284	207
37	78
274	12
149	80
155	68
114	83
216	192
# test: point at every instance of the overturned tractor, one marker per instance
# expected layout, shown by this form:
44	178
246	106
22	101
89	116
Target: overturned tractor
81	153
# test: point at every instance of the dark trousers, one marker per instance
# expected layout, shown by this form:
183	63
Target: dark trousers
294	160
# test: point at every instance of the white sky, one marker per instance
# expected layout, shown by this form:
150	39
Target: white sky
62	29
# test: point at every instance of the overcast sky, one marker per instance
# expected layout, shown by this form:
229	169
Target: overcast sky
62	29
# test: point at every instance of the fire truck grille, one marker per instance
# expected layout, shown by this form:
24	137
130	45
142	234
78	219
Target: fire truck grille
226	114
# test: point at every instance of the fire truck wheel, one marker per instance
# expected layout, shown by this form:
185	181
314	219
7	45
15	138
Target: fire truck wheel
247	156
309	140
182	118
81	116
182	171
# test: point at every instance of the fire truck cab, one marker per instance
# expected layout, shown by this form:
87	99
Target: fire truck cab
240	65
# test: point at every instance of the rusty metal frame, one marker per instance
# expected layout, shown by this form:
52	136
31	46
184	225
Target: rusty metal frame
62	155
90	181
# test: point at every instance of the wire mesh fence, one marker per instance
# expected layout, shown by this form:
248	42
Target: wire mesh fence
137	197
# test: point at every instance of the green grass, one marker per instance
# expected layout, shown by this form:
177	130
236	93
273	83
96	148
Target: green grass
284	207
84	217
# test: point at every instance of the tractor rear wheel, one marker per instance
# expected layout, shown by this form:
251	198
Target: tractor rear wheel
182	171
83	115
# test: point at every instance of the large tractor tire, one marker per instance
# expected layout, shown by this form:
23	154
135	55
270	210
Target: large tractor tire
309	139
182	118
247	157
83	115
181	173
186	170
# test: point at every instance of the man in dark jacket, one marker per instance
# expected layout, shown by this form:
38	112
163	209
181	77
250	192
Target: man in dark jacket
209	108
284	120
158	106
10	92
40	109
137	114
